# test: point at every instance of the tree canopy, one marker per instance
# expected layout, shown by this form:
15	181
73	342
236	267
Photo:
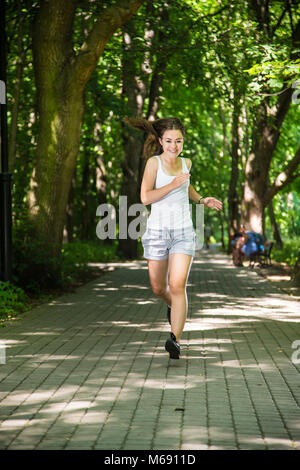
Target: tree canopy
230	71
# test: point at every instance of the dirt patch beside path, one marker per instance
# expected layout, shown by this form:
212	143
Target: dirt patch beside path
281	275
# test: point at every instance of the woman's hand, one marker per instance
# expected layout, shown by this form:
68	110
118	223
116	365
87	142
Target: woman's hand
213	203
179	180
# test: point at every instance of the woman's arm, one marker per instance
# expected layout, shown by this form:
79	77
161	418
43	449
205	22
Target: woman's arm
207	201
150	195
193	195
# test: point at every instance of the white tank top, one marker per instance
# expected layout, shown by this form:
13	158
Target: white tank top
171	211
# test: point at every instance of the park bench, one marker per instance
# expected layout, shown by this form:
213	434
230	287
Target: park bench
263	258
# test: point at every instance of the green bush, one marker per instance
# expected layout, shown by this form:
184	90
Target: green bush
288	254
77	255
73	262
12	299
82	253
34	268
36	271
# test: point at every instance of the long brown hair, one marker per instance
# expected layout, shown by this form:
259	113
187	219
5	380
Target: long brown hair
155	130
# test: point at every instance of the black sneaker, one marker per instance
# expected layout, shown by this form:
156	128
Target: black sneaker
169	314
172	347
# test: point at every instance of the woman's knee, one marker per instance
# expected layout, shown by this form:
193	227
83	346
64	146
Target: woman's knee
177	288
158	290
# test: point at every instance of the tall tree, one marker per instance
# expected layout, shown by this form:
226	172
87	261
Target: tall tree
143	74
61	76
269	116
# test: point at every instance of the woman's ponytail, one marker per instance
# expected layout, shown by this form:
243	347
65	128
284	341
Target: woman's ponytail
155	130
151	145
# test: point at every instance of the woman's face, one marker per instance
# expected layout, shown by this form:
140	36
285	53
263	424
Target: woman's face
172	143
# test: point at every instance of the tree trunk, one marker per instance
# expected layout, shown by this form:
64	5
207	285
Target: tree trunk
85	210
265	137
136	89
220	215
296	274
61	78
274	226
69	227
134	92
233	200
130	188
100	186
12	145
266	132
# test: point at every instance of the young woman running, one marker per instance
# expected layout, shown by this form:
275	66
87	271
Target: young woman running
169	240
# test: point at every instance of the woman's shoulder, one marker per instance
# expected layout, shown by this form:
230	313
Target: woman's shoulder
153	161
152	164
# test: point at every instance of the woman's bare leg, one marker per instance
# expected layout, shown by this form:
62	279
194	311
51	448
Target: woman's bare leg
179	268
158	274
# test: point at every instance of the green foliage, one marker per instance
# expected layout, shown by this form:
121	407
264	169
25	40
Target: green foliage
211	52
287	213
12	299
289	253
77	255
34	267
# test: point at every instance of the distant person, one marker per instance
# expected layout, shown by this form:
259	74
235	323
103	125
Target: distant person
254	244
169	240
239	240
245	244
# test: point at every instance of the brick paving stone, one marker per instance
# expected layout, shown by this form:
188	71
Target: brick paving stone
89	369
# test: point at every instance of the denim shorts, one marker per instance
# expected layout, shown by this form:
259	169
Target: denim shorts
158	244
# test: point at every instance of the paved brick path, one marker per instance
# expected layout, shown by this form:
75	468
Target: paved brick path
89	370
